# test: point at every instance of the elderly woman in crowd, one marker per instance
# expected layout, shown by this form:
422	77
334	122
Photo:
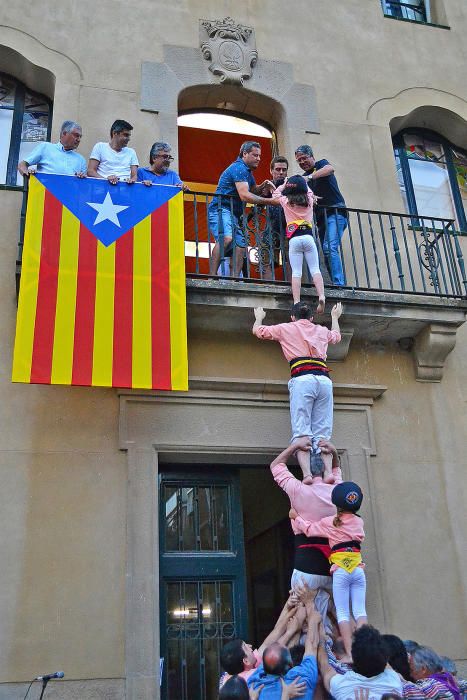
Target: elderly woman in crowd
430	680
159	173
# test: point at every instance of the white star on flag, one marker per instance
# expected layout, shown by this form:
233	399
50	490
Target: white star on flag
107	210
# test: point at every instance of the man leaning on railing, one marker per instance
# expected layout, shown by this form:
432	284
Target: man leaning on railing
238	185
331	221
57	158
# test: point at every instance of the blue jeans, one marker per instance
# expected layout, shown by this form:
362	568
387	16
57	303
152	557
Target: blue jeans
335	227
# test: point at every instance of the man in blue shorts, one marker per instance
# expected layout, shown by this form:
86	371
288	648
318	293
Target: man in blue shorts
225	213
331	222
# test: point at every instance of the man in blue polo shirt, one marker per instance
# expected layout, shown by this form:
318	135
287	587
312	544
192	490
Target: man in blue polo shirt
58	158
331	222
225	213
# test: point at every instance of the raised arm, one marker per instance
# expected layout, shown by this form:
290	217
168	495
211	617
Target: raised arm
288	611
292	632
336	313
323	662
307	596
260	313
303	443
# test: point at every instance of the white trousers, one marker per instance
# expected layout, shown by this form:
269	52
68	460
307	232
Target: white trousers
311	406
300	247
349	587
323	583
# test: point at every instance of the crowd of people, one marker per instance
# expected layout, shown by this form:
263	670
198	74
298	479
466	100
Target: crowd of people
111	160
116	161
316	648
322	643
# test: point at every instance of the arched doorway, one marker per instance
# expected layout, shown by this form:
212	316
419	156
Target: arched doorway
208	142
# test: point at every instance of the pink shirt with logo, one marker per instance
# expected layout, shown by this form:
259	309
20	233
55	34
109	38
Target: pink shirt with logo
311	501
300	338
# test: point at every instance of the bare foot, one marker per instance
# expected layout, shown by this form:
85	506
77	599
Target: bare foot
307	479
320	307
328	476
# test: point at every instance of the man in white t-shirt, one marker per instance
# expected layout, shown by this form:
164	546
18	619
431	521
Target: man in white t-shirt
370	668
114	161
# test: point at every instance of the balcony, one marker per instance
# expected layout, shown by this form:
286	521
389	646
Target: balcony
405	279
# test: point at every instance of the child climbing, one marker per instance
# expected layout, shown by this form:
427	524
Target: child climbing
305	346
297	202
345	533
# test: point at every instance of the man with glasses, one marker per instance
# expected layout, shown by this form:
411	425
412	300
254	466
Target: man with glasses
332	221
158	172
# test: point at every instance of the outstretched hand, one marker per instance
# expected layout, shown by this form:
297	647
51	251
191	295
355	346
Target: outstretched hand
259	314
337	310
293	690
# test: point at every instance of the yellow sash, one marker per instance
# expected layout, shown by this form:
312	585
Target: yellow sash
346	560
300	222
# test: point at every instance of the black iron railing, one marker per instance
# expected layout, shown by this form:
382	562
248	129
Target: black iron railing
378	251
415	11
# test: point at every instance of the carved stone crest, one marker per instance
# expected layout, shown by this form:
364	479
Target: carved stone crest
230	47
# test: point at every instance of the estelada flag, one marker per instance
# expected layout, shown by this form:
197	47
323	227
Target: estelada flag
102	295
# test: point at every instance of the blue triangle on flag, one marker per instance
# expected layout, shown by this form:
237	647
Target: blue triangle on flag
108	211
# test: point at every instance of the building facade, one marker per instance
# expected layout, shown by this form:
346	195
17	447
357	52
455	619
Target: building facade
144	526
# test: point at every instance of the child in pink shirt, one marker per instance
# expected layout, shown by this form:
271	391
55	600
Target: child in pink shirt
345	533
297	202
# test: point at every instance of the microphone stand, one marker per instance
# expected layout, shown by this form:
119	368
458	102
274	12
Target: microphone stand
44	686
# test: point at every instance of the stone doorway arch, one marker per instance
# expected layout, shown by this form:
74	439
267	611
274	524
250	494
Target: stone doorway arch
182	80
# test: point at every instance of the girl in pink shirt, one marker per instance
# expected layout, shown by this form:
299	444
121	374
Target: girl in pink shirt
297	202
345	533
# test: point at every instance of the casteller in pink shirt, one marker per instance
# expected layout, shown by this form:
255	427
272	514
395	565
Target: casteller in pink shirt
311	501
301	338
351	528
293	212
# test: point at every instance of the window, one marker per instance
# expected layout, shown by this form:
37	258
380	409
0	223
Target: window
432	176
415	10
25	119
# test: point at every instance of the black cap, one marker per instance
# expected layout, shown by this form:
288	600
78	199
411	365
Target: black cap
347	496
295	185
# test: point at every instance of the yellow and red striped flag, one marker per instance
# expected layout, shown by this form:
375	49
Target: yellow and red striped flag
102	296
